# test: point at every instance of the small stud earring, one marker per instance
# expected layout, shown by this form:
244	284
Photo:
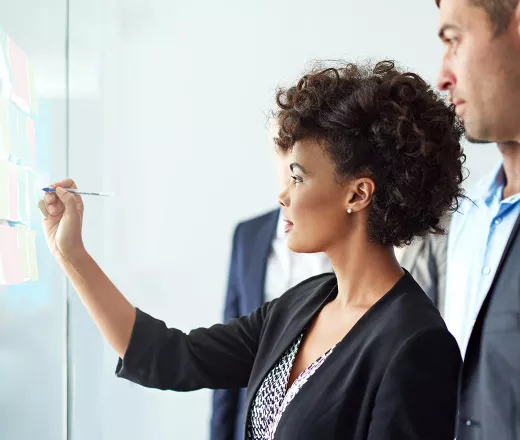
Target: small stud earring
349	210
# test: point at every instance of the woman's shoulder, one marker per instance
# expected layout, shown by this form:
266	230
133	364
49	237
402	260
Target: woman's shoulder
320	285
307	296
406	311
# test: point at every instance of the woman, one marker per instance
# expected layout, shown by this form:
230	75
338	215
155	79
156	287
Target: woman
359	354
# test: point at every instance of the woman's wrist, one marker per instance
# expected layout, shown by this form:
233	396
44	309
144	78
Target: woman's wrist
76	258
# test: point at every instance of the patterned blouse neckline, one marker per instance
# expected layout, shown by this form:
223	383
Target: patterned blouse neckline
273	397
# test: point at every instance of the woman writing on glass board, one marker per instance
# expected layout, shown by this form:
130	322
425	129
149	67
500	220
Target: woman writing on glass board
360	354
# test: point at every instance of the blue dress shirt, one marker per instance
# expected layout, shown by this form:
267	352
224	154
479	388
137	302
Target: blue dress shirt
479	232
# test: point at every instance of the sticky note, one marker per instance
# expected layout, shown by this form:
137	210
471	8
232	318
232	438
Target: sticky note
33	261
5	129
5	75
4	190
22	238
33	192
23	195
32	89
26	239
18	135
18	62
13	193
12	271
31	139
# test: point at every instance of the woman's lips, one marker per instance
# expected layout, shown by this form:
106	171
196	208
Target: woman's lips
288	225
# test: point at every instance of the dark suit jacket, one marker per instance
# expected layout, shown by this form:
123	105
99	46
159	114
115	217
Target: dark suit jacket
245	293
393	377
490	384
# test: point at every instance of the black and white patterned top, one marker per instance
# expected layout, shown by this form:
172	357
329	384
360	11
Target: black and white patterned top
272	397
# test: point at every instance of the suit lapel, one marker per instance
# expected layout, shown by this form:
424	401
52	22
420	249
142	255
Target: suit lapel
260	250
473	349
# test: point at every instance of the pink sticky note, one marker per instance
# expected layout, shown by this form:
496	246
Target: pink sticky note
10	256
31	138
13	193
18	62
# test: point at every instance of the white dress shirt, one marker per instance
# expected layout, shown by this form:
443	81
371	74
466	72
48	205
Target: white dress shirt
286	269
479	232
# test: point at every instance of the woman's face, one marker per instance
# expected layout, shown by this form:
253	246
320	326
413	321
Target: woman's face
314	205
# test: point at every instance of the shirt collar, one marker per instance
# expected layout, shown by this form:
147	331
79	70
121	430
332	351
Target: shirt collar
490	187
280	227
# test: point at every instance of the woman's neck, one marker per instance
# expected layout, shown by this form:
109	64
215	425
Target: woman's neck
365	272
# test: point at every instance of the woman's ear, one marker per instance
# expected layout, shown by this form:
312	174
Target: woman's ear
360	194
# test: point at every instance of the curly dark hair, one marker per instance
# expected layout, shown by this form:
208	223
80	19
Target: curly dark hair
376	121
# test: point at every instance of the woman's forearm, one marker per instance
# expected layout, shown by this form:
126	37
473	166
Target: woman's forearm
112	313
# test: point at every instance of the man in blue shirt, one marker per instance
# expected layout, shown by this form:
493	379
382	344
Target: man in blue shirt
481	73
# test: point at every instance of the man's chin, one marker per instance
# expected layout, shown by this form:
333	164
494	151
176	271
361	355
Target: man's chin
475	136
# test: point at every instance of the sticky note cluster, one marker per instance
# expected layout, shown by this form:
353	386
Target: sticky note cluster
18	165
17	76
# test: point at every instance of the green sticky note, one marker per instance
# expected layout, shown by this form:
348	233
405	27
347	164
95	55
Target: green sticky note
23	251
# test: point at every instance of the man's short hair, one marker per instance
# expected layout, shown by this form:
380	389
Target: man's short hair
499	12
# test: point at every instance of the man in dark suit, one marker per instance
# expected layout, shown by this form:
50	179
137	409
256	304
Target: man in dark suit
481	72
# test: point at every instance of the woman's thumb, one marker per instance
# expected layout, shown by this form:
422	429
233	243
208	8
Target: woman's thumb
68	199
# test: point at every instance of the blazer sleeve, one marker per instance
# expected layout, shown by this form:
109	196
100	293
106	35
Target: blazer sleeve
226	401
417	398
218	357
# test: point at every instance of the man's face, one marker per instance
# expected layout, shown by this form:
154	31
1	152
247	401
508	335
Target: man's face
481	70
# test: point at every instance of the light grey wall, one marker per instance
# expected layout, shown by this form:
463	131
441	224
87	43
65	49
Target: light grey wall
171	117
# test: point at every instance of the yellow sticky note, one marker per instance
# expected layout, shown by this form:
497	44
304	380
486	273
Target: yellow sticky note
5	199
23	251
33	261
23	195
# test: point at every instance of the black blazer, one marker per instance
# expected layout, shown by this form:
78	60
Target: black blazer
490	384
245	293
393	377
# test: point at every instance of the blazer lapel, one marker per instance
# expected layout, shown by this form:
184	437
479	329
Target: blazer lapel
472	351
260	250
302	315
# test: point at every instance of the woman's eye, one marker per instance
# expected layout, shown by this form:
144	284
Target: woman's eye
296	179
450	41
